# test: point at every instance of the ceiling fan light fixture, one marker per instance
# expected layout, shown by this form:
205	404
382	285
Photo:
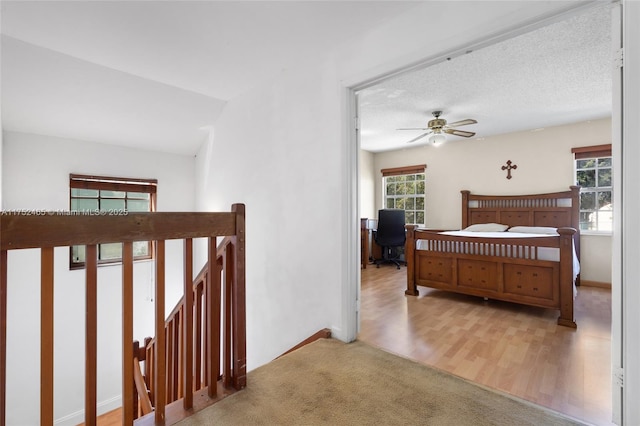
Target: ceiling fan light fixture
437	139
438	128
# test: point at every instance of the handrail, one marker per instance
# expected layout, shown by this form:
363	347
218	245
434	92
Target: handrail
141	388
56	229
47	230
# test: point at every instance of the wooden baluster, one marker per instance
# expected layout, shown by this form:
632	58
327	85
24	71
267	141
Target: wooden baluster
239	304
229	278
128	393
149	366
175	359
91	330
198	336
179	353
206	325
187	326
216	322
160	373
136	399
46	336
140	395
213	320
169	328
3	336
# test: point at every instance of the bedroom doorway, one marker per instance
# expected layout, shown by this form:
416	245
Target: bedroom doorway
377	191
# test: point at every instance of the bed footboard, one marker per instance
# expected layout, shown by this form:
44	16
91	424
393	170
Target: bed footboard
516	270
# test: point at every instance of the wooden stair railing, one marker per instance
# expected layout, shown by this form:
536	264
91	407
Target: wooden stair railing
141	397
194	358
175	392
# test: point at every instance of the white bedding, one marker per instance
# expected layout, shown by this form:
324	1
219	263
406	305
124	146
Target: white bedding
494	234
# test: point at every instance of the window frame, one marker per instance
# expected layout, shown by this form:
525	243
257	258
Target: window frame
406	171
115	184
597	153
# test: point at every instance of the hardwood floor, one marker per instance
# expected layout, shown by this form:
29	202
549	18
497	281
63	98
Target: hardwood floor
516	349
112	418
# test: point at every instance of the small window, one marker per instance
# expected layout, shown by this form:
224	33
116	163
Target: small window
404	188
110	195
594	174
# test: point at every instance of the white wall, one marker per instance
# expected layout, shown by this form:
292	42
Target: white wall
36	175
596	258
544	160
545	164
282	149
1	150
1	136
292	193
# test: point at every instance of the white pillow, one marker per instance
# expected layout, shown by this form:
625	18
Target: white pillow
486	227
534	230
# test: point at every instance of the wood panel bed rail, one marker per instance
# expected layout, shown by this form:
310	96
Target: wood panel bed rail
509	269
218	310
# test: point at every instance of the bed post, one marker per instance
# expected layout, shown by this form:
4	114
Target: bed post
409	258
575	212
575	221
465	208
566	317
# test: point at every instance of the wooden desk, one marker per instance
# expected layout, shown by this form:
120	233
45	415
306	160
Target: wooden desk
369	249
364	243
376	251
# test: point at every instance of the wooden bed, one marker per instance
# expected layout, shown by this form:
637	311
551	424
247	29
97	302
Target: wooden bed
509	269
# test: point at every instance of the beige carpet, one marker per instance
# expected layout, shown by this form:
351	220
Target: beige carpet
332	383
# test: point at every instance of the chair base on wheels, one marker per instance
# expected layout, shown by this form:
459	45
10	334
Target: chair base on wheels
390	255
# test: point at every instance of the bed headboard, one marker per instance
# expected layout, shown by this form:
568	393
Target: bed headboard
556	209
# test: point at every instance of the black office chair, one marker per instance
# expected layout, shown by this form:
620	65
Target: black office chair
390	235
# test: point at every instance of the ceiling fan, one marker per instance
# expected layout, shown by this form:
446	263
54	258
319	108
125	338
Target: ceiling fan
437	128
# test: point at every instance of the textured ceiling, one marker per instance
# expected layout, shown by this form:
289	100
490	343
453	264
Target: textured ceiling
555	75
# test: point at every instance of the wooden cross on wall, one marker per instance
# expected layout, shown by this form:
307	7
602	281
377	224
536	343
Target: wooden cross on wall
508	168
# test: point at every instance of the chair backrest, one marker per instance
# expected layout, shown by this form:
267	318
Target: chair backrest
390	231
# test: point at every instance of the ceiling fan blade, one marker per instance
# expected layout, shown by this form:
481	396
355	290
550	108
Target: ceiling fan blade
413	128
419	137
462	122
459	133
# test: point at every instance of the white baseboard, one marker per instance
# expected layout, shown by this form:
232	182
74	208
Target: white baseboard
77	417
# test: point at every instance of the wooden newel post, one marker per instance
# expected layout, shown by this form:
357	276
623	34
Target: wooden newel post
465	207
409	248
566	317
575	222
239	304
